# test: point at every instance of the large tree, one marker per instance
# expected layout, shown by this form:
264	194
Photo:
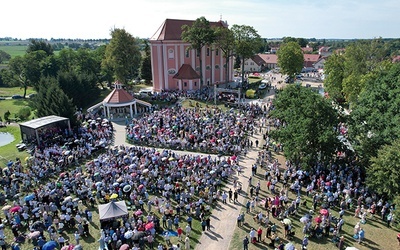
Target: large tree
290	58
25	70
225	41
145	69
334	74
383	174
4	56
375	117
308	120
122	55
199	34
247	43
51	100
36	45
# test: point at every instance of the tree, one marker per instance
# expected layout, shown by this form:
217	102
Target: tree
199	34
247	43
308	120
383	174
334	75
36	45
51	100
290	58
26	70
122	55
225	41
375	117
4	56
145	69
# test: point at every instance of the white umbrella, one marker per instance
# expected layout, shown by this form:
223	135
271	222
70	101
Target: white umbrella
304	219
289	246
351	248
128	234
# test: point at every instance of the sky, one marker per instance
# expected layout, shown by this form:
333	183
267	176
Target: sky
89	19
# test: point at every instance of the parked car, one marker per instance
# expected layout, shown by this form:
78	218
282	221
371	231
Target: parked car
262	86
32	95
17	97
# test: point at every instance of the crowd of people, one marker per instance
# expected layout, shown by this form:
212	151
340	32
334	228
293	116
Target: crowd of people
204	130
60	194
338	185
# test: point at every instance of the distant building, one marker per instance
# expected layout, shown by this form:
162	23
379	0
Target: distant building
261	62
324	51
310	60
176	67
307	50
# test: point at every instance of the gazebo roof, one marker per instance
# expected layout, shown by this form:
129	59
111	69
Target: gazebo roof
186	72
118	95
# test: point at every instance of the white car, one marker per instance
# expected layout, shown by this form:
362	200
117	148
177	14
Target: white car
262	86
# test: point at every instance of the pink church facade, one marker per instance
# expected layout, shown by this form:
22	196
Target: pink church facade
170	55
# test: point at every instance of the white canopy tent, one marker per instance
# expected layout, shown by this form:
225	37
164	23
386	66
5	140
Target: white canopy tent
113	210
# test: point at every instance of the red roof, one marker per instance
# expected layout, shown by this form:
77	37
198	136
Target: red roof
118	95
171	29
311	57
269	58
306	49
186	72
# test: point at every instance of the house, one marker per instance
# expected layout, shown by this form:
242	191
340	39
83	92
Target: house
261	62
307	50
176	67
320	63
273	50
270	60
324	51
310	60
253	64
396	59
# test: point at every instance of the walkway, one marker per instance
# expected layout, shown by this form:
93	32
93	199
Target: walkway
223	218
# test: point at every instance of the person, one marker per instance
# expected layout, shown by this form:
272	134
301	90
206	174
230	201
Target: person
187	243
230	194
3	244
208	223
252	235
179	231
259	234
304	244
188	229
340	244
224	197
246	243
361	235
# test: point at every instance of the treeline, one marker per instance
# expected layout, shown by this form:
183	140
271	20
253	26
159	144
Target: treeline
73	78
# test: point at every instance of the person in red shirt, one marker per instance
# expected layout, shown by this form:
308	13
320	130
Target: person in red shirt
259	234
179	231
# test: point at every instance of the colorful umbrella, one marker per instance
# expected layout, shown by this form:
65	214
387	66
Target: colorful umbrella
50	245
29	197
15	209
34	234
324	211
318	220
149	225
128	234
138	213
127	188
114	196
124	247
6	208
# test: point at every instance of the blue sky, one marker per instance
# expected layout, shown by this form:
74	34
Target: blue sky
271	18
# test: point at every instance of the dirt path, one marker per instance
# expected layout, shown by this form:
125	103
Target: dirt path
223	218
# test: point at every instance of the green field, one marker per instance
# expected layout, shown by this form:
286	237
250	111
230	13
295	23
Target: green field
13	106
14	50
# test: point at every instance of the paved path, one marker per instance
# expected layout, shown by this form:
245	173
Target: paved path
223	218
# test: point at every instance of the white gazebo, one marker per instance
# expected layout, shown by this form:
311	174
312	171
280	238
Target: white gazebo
117	101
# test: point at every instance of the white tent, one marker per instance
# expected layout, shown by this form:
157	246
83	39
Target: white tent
112	210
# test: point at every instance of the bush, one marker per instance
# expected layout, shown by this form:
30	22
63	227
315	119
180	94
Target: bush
24	113
7	115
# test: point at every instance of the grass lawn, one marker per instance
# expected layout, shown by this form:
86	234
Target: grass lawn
188	103
9	151
10	91
13	105
377	234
